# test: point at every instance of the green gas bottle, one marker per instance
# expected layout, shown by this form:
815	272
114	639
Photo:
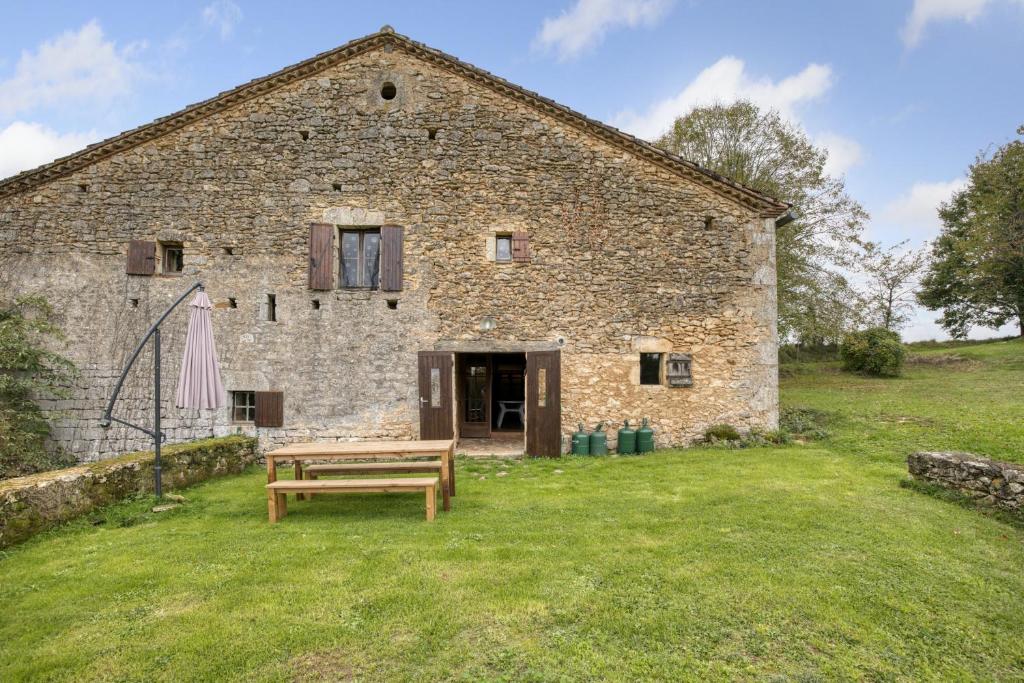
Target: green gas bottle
581	441
645	438
599	440
627	439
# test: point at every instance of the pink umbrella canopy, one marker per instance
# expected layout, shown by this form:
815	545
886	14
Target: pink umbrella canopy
199	385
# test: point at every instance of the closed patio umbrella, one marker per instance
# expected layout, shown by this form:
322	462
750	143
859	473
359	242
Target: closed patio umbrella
199	385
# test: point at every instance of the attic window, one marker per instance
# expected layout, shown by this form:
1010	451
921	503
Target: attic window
431	133
304	134
388	91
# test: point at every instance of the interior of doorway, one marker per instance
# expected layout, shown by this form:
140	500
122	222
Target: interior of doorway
491	403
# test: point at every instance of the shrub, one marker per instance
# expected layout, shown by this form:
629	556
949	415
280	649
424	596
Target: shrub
807	423
721	432
28	371
875	351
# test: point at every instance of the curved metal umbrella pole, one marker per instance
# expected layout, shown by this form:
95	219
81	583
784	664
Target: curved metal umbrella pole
155	432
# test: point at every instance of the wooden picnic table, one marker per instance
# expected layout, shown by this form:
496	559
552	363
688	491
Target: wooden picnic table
361	450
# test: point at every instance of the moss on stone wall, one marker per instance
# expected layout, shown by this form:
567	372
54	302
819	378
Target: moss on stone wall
41	501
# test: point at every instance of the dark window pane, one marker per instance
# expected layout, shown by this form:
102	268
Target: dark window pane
503	249
350	259
650	368
371	259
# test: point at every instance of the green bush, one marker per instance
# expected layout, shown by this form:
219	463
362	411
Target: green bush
721	432
29	371
875	351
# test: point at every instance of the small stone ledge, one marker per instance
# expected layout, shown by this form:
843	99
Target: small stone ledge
988	481
41	501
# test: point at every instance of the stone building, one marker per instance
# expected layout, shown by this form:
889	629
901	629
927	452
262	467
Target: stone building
401	245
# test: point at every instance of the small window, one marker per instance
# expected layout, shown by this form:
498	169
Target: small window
134	303
431	133
393	304
173	259
336	187
316	304
270	309
229	251
360	259
304	134
232	302
388	91
243	406
650	368
503	248
82	187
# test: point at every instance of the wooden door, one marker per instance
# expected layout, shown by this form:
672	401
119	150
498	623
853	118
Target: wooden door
543	403
473	373
435	380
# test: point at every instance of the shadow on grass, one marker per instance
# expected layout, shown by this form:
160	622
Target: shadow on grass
964	501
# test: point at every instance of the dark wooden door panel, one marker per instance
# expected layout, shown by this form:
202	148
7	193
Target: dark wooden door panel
544	403
435	385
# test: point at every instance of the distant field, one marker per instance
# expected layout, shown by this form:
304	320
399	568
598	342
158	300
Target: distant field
804	562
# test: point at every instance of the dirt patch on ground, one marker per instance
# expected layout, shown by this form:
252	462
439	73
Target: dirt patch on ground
323	665
941	360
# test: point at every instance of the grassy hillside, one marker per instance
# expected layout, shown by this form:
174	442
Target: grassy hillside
804	562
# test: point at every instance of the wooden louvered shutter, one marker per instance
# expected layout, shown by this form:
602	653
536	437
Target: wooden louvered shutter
269	409
520	247
391	237
141	258
321	256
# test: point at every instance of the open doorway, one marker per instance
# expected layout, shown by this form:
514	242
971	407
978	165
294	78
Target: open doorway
491	403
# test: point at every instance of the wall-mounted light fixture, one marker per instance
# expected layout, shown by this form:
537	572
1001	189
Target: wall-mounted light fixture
488	324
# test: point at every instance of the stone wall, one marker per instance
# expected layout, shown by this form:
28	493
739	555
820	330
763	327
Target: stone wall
624	252
41	501
990	481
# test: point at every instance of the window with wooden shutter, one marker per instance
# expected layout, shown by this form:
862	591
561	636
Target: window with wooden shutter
269	409
321	256
391	274
141	258
520	247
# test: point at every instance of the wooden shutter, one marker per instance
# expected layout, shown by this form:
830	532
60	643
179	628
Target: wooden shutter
520	247
141	258
391	258
321	256
269	409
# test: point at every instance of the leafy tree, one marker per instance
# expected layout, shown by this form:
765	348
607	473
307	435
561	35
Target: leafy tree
976	275
874	351
892	284
764	152
28	370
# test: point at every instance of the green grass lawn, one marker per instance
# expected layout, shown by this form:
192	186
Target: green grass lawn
804	562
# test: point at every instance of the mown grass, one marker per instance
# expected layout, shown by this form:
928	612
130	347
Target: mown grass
805	562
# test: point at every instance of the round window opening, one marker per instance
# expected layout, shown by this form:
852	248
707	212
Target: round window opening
388	91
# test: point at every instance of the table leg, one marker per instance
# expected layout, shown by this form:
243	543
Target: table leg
431	502
272	505
271	469
451	470
298	477
445	483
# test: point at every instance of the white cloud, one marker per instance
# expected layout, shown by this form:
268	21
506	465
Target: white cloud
27	145
843	153
926	12
75	66
585	24
726	81
915	214
222	15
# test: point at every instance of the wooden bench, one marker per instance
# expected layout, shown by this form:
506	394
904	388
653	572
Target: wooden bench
400	467
278	507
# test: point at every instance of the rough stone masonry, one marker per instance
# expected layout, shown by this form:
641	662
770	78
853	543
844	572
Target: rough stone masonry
631	250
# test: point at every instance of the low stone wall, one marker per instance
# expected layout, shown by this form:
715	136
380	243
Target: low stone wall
37	502
990	481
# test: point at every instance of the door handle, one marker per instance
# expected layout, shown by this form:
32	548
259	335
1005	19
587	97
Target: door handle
422	400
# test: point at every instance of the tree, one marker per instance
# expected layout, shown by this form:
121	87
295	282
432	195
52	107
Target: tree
766	153
28	370
892	284
976	274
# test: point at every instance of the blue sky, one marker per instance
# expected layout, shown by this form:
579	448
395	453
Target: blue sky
903	93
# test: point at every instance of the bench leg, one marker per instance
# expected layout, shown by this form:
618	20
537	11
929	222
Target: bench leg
282	505
431	503
451	474
298	476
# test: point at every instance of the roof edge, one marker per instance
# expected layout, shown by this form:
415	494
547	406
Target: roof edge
767	207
